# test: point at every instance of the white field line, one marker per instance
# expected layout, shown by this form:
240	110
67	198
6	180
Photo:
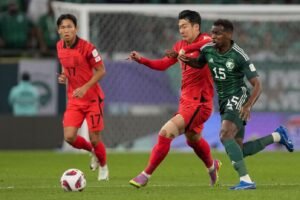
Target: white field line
153	185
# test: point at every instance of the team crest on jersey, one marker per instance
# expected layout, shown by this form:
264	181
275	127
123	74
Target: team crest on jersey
230	64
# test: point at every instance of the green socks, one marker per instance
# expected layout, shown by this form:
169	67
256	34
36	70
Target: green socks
253	147
236	156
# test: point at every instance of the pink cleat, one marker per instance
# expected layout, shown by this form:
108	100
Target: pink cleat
140	181
214	176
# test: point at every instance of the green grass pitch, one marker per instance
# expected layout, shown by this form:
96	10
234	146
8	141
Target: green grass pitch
34	175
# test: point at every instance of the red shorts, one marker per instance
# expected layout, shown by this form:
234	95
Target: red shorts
194	114
93	113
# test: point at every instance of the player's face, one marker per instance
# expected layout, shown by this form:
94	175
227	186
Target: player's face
187	30
219	36
67	30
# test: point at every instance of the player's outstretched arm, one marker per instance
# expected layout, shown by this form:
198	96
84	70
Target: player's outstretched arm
193	62
170	53
196	46
159	64
134	55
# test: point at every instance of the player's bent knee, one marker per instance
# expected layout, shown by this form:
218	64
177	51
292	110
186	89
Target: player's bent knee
70	134
226	135
165	134
192	137
169	130
70	138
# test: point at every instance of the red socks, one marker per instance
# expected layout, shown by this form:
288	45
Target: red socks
159	152
99	149
202	149
100	153
81	143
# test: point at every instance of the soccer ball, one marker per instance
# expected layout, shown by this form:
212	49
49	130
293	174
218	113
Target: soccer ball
73	180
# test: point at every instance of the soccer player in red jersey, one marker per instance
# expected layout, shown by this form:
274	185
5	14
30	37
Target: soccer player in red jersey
195	106
82	68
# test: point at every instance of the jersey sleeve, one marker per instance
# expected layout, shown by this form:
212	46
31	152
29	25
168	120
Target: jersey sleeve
160	64
248	68
93	57
197	45
202	57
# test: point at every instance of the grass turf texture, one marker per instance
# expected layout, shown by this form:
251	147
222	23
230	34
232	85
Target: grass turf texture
34	175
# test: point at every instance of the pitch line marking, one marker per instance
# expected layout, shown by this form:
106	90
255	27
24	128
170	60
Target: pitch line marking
128	186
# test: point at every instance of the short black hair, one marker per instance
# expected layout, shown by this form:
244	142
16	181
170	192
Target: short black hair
26	76
66	16
228	26
193	16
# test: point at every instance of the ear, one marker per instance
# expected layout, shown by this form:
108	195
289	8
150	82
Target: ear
197	27
229	35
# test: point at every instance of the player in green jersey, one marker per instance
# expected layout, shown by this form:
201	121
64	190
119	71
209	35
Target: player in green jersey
229	64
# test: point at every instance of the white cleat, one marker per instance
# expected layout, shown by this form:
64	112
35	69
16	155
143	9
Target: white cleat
103	173
94	162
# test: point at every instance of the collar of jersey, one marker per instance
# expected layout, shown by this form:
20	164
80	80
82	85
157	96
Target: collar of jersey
73	45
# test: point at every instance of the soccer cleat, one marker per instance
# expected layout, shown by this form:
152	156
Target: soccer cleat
284	138
103	173
140	181
94	164
214	174
244	186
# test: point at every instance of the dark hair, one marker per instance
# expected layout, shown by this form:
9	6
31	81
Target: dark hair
25	76
66	16
228	26
193	16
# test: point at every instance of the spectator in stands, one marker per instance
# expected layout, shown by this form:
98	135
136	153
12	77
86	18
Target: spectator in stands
24	97
17	32
47	34
21	3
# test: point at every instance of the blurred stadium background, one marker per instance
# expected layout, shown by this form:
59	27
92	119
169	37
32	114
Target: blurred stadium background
138	100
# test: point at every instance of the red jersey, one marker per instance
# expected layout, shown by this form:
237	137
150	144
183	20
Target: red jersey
78	63
196	84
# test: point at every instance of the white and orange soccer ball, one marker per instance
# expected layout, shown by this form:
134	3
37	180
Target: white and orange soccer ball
73	180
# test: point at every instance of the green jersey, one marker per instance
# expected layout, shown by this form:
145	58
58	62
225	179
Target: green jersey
228	69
